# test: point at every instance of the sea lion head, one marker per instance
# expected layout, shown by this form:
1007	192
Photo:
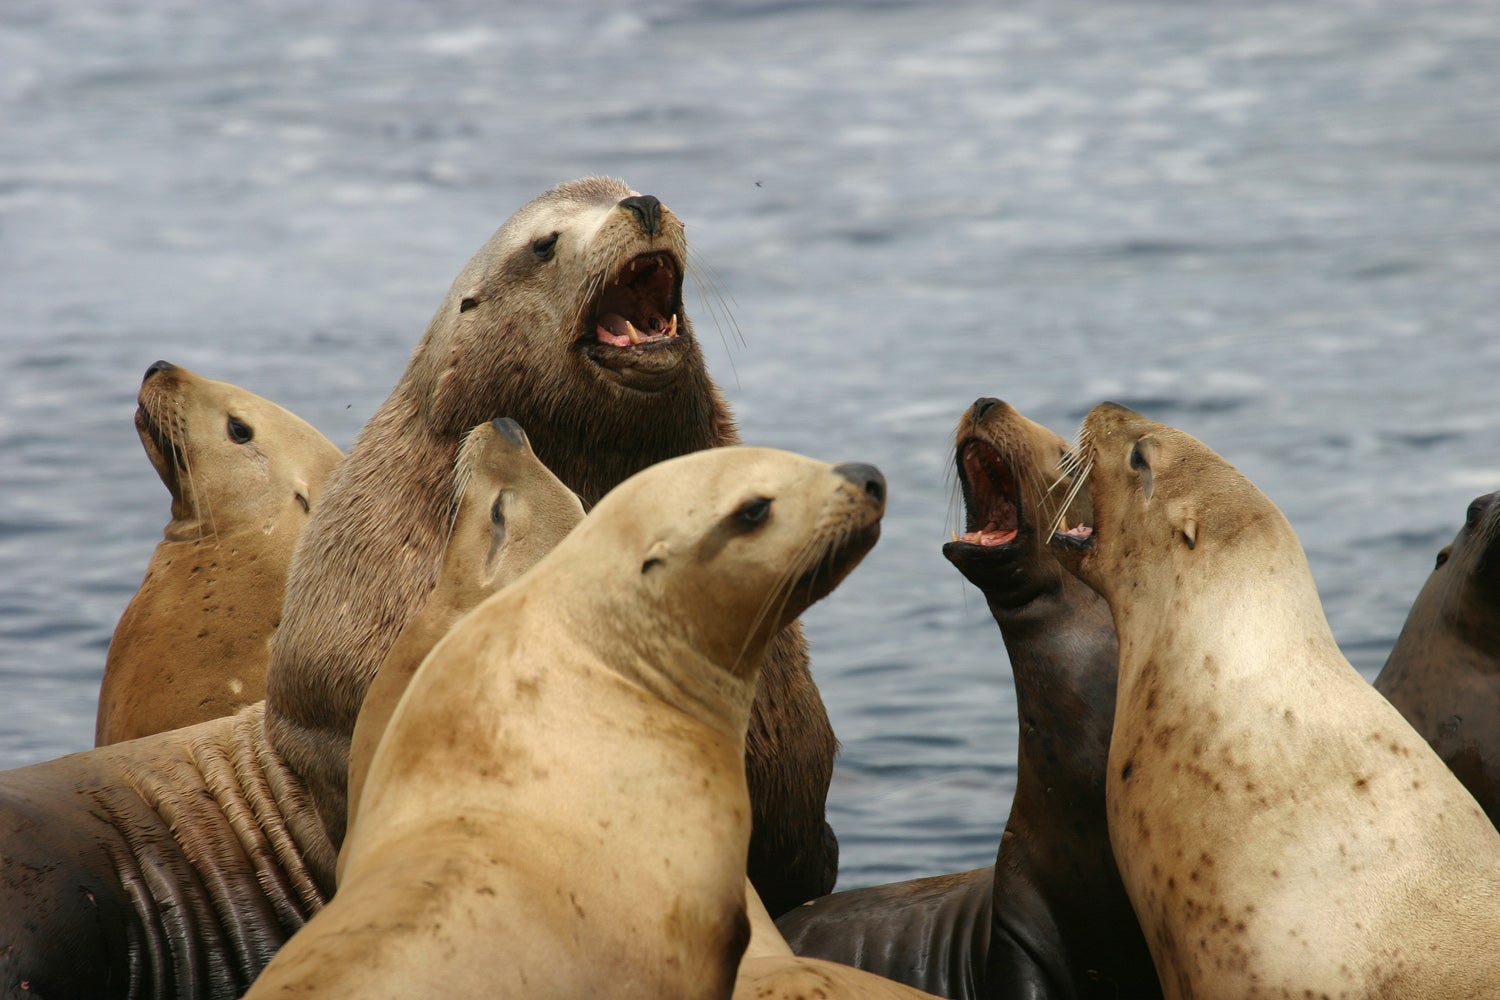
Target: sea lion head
1016	492
231	460
1164	504
1462	594
726	546
580	287
503	493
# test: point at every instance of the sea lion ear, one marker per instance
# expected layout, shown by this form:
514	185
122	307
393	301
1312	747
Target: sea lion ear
469	300
655	556
1183	521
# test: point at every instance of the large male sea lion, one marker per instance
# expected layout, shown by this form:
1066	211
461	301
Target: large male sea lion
1280	828
1444	672
175	865
1050	918
243	473
511	511
571	321
558	806
770	970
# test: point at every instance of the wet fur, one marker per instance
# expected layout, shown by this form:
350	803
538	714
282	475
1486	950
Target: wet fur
372	551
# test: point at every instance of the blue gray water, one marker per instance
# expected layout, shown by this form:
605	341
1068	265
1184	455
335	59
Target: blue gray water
1276	225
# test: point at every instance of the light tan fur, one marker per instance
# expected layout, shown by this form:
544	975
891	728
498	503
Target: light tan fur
1280	829
770	970
497	474
558	807
193	642
515	337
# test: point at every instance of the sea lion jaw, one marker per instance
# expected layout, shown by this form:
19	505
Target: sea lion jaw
231	460
1009	509
746	538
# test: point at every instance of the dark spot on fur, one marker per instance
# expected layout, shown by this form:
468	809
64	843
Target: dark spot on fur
1126	770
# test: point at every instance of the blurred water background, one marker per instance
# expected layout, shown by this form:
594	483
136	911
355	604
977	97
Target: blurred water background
1274	224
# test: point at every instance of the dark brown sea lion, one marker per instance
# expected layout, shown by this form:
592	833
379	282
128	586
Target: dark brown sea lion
193	642
1444	672
570	320
558	805
1280	828
1051	918
169	866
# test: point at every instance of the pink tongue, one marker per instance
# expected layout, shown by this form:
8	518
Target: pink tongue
612	329
989	537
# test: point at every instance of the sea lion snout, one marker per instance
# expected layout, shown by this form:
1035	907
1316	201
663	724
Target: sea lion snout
866	477
647	210
157	366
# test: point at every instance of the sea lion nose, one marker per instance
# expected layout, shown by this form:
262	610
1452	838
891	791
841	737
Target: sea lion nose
158	366
983	405
510	431
866	477
647	209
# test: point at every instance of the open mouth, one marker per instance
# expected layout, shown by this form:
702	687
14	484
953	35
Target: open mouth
638	310
992	497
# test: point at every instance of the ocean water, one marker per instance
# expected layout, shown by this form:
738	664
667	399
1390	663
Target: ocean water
1276	225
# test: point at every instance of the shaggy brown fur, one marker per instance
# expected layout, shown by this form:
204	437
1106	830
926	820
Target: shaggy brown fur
521	335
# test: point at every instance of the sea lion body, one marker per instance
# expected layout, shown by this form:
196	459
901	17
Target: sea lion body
1280	829
570	321
193	642
558	806
511	511
1443	674
770	970
1051	917
170	866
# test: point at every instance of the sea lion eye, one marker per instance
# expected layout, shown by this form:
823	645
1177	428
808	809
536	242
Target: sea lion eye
753	512
1137	460
469	302
1442	556
239	431
497	510
306	507
545	247
1476	511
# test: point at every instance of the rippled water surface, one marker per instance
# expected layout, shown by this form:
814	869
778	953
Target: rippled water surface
1276	225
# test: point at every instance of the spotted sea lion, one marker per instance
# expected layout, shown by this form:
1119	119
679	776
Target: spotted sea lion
1050	918
569	320
558	806
511	511
1444	672
243	474
1280	828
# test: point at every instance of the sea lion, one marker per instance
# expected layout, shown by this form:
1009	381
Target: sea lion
770	970
1444	672
243	474
175	865
169	866
511	511
558	806
1050	918
570	320
1280	828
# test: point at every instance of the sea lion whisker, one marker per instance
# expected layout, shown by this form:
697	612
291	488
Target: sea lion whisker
780	592
1079	480
703	273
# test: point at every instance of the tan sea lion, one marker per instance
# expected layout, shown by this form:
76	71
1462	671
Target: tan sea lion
511	511
1280	828
1050	919
1444	672
243	474
175	865
570	320
771	971
558	807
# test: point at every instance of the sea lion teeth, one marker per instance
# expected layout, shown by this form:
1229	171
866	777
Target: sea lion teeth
632	332
672	326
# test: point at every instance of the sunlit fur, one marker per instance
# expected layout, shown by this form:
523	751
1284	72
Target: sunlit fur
558	806
192	643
